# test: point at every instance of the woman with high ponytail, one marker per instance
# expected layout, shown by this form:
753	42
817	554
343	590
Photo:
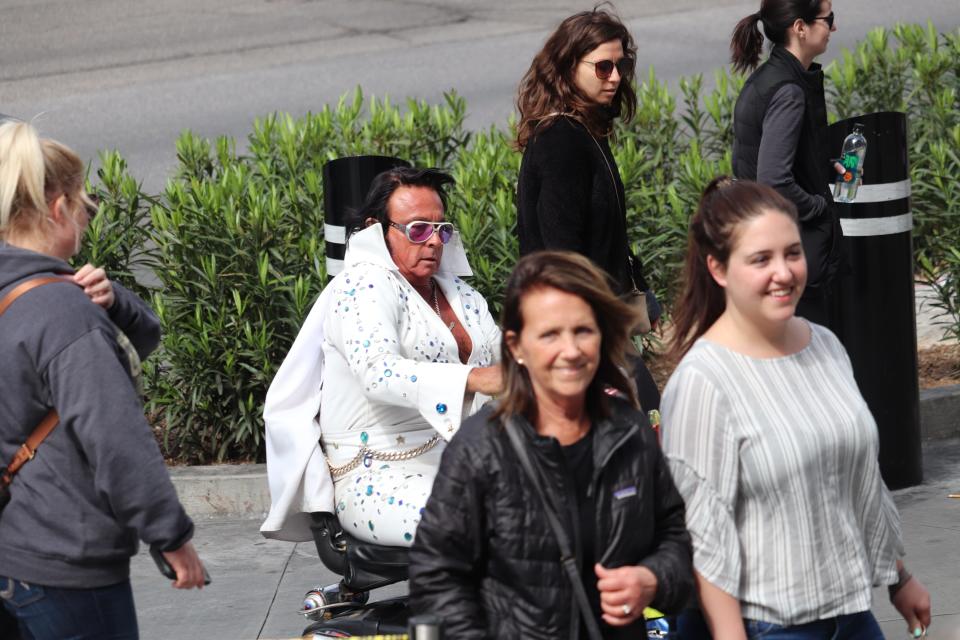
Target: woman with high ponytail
71	350
747	43
779	123
770	443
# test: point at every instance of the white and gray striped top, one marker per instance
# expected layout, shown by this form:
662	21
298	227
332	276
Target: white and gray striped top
777	461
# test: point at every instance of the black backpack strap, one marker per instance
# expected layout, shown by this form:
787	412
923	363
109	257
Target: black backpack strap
567	558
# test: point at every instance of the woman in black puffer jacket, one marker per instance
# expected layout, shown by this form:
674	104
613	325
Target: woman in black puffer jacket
485	558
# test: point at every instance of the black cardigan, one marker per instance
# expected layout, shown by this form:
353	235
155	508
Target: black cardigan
570	196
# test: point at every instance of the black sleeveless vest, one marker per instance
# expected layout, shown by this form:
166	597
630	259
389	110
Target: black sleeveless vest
811	166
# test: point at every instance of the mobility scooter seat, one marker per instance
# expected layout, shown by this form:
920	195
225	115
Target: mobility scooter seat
363	565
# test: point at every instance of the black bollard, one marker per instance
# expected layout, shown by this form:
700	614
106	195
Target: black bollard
345	185
875	298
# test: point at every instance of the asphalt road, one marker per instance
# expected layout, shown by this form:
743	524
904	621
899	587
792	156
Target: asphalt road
130	75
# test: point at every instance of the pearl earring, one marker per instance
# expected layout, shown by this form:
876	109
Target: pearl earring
520	361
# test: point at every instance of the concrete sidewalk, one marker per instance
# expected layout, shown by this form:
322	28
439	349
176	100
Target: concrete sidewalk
258	584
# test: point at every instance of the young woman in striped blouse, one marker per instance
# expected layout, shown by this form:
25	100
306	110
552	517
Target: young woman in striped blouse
771	444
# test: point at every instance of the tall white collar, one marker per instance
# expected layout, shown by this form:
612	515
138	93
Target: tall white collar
369	246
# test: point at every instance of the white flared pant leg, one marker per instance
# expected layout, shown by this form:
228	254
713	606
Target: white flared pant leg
382	504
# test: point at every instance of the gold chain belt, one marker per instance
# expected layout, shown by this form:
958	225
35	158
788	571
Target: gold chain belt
384	456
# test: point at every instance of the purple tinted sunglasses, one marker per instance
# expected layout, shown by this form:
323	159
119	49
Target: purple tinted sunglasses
419	231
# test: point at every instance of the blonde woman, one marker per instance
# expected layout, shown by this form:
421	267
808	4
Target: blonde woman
98	482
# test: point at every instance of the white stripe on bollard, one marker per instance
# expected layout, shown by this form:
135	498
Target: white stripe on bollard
334	266
876	226
334	234
882	192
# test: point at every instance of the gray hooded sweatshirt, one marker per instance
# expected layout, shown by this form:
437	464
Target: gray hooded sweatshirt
98	482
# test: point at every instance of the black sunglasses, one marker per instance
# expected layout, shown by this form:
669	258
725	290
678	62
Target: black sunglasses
604	68
827	18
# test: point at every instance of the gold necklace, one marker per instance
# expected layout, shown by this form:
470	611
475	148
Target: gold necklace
436	303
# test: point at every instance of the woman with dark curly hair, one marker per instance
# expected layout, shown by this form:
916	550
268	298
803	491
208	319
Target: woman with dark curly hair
570	196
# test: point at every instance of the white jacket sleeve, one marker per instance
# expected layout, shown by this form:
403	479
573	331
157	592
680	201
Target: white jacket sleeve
297	472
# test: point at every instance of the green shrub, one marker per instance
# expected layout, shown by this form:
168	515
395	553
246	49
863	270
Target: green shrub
483	209
234	246
239	262
666	160
118	236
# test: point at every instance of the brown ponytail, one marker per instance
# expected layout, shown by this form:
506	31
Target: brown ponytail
777	16
747	43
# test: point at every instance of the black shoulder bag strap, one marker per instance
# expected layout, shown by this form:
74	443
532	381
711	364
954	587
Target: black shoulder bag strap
623	211
567	557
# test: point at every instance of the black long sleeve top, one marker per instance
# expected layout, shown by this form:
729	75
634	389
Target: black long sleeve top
570	197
